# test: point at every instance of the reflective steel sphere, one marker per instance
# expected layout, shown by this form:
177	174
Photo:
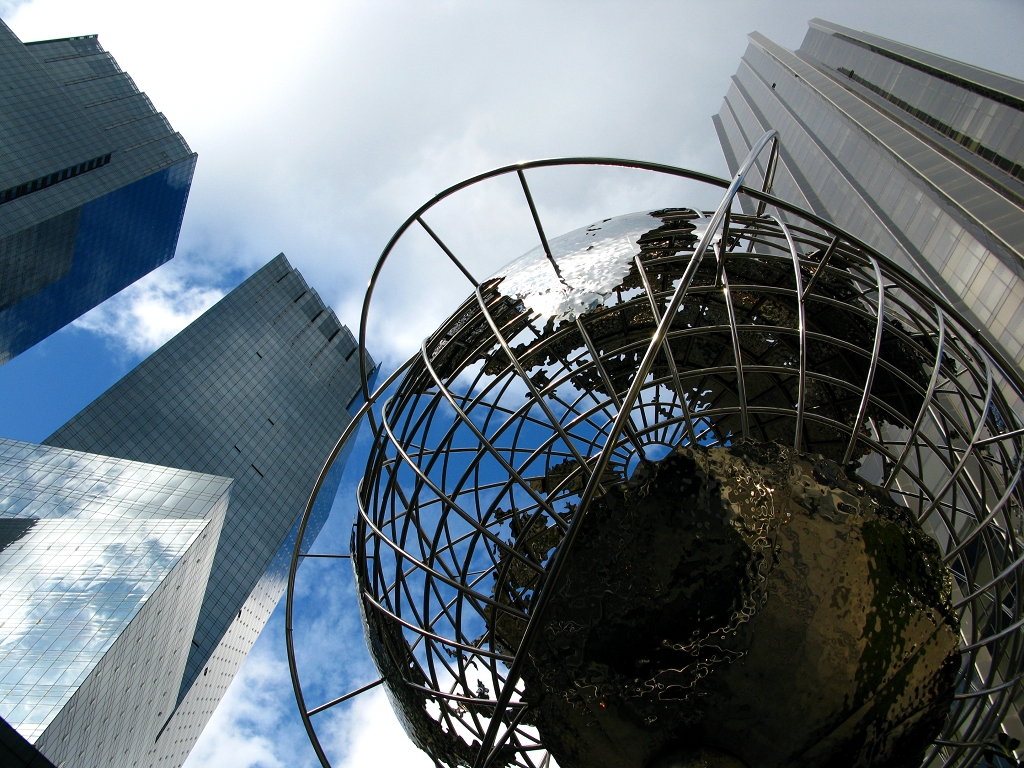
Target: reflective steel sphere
673	490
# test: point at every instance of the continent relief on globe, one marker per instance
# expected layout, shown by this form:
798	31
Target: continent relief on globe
749	602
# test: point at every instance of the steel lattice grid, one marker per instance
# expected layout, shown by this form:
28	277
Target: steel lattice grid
789	330
490	432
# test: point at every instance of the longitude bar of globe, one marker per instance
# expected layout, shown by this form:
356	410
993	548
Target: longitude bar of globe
568	368
565	363
365	408
494	407
460	679
802	320
471	535
466	272
995	481
450	579
820	268
872	365
977	643
982	525
741	388
925	403
404	601
513	724
955	475
521	415
875	422
926	326
1005	459
667	349
424	633
432	658
945	420
722	248
443	610
495	410
464	417
582	417
540	227
540	449
458	509
769	176
1009	570
997	712
394	486
752	229
555	423
762	234
444	606
609	385
445	451
488	746
966	398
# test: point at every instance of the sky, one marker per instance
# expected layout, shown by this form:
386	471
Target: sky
320	126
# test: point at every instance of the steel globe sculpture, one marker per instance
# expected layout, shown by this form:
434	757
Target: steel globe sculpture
693	488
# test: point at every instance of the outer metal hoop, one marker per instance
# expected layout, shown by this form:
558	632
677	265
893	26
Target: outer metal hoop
500	729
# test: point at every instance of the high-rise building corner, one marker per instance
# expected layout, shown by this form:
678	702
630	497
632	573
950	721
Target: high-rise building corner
254	393
93	184
918	155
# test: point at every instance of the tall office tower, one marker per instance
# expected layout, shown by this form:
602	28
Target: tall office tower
257	389
93	184
918	155
103	563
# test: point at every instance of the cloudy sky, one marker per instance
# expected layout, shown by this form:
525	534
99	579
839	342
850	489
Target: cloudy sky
321	125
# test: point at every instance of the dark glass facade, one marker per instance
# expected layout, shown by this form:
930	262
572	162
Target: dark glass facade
142	218
93	185
257	389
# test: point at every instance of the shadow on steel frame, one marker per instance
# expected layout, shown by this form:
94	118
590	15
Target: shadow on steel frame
719	221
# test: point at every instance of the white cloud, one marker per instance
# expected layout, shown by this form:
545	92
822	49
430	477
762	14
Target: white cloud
242	731
7	7
321	125
370	736
257	723
149	312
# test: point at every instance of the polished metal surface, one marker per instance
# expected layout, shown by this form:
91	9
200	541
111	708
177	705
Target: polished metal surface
563	371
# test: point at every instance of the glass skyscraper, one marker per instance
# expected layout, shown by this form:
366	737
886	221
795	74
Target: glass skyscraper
920	156
100	559
93	184
254	392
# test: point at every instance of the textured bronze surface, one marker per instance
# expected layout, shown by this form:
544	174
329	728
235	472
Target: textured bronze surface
750	599
539	581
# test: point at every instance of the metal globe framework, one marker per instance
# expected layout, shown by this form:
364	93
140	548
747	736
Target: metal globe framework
491	443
